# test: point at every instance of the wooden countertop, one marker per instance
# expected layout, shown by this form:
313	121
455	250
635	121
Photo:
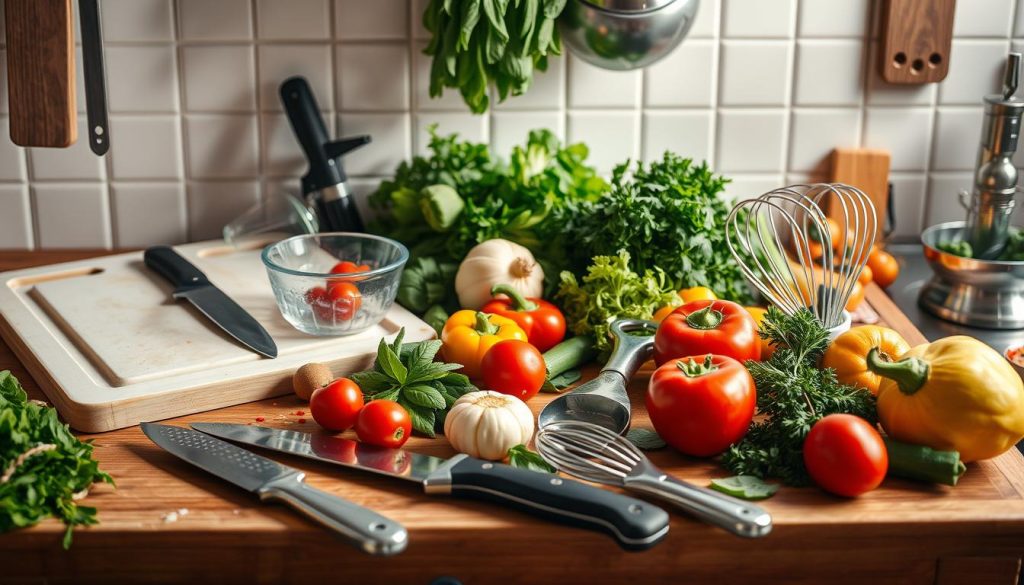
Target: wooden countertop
901	533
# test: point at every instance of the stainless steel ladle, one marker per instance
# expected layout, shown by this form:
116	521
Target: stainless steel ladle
603	401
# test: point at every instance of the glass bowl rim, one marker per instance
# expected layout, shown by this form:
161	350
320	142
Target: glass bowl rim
402	258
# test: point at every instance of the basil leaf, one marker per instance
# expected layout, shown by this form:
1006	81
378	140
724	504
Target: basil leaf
391	394
520	456
372	382
746	487
422	418
423	395
389	363
645	439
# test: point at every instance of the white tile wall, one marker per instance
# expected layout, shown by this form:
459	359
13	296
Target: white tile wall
762	89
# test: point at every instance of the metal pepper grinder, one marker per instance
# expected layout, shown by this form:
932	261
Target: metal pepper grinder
995	176
325	184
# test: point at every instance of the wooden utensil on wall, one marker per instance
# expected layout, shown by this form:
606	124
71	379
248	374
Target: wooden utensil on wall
41	72
916	39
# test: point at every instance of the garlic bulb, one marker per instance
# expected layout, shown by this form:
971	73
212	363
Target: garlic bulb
486	424
497	262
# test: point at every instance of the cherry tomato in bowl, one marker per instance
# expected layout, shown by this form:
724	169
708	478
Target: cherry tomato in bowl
336	405
701	404
845	455
384	423
514	367
346	267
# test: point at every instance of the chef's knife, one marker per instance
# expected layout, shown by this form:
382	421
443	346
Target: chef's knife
635	524
95	86
192	285
270	480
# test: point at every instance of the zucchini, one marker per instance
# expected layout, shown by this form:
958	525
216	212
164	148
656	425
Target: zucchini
921	463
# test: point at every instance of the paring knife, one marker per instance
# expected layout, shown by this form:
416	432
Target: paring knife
635	524
270	480
191	284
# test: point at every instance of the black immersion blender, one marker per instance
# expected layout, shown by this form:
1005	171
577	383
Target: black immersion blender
324	184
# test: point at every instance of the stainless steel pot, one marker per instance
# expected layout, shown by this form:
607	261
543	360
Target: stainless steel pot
625	34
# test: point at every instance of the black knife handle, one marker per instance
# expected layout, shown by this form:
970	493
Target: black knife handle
308	125
178	271
95	84
635	524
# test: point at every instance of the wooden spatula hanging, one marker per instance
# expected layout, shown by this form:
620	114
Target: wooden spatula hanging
41	73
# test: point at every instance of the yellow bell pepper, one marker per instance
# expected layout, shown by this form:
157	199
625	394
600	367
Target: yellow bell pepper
697	293
849	352
956	394
468	334
758	314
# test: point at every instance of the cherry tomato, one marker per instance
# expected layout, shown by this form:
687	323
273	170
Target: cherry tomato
514	367
336	405
384	423
701	404
346	267
845	455
345	299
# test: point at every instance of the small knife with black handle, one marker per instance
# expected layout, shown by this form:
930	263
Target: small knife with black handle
192	285
634	524
270	480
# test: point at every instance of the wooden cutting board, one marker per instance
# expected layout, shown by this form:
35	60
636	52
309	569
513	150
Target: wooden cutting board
111	348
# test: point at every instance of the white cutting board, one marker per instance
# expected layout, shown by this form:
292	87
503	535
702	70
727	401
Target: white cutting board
111	348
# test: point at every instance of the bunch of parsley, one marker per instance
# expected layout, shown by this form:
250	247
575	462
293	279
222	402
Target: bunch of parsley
668	214
792	395
42	465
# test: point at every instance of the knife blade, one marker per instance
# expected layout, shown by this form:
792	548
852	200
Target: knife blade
270	480
192	285
635	525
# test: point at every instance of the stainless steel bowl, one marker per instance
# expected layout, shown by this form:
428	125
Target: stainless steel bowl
625	34
978	293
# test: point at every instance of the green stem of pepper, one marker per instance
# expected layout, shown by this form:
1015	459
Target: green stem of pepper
909	373
519	302
484	325
706	318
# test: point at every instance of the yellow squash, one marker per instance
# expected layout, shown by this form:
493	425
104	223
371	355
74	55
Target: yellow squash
468	334
758	314
956	394
849	352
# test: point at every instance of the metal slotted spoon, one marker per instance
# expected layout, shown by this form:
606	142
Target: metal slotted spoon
594	453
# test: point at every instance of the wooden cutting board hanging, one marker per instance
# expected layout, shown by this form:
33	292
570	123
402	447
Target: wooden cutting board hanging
41	72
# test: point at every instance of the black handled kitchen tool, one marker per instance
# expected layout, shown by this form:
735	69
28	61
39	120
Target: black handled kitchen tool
270	480
636	525
192	285
603	401
92	68
325	182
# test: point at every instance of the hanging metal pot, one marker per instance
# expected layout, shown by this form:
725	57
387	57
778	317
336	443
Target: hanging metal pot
625	34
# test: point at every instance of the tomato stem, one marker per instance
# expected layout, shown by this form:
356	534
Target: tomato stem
910	373
484	325
706	318
519	302
694	370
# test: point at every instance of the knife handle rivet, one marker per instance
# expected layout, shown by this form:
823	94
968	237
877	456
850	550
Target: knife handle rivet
487	465
636	509
378	527
556	481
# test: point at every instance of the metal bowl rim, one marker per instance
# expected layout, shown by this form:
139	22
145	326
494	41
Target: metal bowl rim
961	224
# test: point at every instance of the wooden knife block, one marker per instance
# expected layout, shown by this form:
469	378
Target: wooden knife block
916	38
41	72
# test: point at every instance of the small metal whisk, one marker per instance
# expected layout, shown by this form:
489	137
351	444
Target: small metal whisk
796	256
594	453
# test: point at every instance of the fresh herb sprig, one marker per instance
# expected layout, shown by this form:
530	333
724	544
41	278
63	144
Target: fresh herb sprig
521	456
792	395
43	467
409	375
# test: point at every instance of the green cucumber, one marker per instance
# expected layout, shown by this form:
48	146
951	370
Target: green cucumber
921	463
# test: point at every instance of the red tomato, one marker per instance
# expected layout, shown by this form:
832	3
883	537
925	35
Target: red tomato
384	423
705	326
336	405
514	367
701	404
845	455
346	267
345	299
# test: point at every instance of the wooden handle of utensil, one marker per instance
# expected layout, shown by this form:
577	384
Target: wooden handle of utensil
41	72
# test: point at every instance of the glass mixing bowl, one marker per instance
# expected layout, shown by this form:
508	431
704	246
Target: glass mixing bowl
315	300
